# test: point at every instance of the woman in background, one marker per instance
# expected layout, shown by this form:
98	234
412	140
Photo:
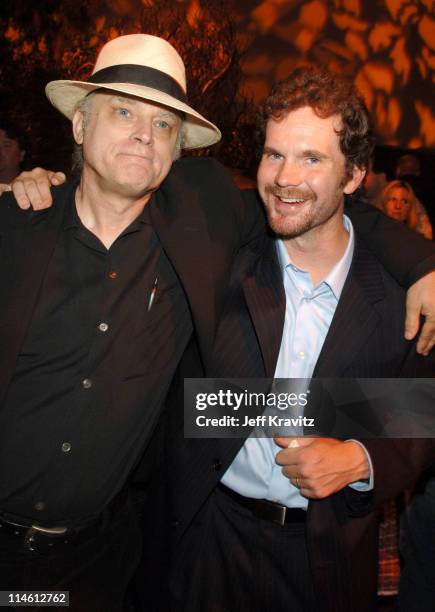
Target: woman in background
398	201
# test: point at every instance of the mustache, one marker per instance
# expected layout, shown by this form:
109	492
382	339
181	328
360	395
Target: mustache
290	192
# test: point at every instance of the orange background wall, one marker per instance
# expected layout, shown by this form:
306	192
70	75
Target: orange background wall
387	46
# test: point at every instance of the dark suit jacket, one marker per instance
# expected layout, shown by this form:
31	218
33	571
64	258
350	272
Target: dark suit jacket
365	339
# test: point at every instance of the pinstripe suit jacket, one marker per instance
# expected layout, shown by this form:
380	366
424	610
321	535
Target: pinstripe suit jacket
365	339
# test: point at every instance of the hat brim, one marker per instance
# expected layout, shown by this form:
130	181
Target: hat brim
198	132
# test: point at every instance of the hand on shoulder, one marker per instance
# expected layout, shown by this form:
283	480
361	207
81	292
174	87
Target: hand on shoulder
32	189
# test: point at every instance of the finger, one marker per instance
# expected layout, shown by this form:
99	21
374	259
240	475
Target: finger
412	320
57	178
426	340
4	187
292	441
45	198
313	488
20	195
429	349
289	458
31	187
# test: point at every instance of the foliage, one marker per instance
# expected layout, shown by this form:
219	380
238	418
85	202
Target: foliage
51	40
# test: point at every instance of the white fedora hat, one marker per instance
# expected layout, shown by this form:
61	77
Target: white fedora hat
144	66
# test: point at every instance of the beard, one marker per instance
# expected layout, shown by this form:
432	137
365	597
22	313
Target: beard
294	223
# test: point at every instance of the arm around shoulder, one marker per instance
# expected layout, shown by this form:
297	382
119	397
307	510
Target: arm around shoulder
405	254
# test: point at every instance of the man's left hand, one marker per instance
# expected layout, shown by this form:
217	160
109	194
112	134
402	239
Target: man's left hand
320	467
420	300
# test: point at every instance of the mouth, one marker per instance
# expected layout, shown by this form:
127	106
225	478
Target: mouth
289	204
291	200
136	156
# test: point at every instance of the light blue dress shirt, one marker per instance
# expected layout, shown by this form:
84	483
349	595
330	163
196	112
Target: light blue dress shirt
308	315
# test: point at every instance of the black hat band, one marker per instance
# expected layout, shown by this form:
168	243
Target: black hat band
140	75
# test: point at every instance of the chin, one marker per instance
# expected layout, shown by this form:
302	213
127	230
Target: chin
287	227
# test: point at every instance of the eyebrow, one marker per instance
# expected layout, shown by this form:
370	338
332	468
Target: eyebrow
314	153
123	100
270	150
306	153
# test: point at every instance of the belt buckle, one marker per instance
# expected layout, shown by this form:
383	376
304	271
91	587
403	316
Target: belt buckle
32	542
271	511
282	511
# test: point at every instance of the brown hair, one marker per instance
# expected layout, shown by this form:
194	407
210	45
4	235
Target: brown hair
327	94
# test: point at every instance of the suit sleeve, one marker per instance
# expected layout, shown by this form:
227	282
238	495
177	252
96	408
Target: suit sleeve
11	215
398	462
404	253
252	219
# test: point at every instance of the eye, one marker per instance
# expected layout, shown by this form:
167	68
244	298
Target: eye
162	124
123	112
312	161
272	155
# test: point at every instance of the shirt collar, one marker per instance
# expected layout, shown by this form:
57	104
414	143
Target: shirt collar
336	278
71	218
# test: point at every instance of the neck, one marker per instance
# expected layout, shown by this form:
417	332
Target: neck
105	213
318	250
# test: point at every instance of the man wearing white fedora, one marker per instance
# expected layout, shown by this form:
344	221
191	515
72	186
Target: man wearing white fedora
95	318
101	296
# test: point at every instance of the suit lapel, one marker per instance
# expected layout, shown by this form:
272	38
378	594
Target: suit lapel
355	318
265	297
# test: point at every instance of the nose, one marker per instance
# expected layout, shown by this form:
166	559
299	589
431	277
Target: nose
289	174
143	131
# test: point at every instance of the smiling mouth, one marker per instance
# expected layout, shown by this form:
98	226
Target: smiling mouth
291	200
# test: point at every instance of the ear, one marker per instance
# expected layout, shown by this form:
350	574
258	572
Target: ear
77	127
22	155
355	181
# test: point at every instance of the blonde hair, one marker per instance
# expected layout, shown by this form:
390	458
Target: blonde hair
411	218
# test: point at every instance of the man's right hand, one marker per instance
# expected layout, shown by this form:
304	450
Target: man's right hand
32	189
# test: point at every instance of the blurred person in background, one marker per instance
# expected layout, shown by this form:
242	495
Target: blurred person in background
399	202
373	183
12	149
408	168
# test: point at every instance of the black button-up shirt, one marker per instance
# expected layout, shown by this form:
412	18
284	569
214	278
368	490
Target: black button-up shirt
105	338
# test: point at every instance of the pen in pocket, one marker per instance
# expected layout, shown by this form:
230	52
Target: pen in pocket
152	294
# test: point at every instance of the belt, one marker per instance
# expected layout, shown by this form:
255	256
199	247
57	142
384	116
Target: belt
265	509
37	538
40	539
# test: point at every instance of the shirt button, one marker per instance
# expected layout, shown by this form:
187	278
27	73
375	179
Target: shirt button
103	327
66	447
301	355
86	383
39	505
216	465
113	275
